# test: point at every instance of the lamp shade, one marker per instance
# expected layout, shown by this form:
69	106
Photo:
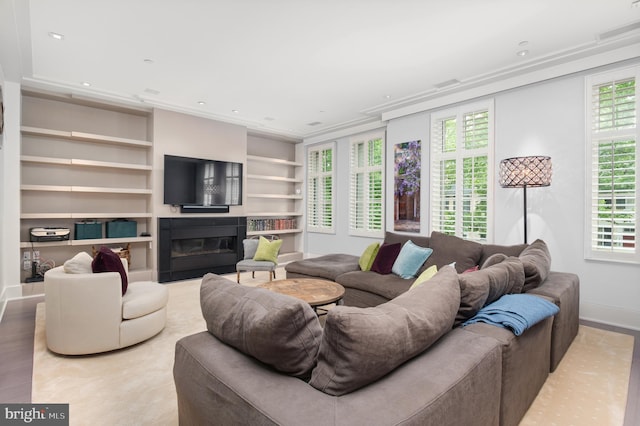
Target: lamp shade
520	172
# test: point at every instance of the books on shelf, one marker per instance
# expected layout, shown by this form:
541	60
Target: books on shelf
275	224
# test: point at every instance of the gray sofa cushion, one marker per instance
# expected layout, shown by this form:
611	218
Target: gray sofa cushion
537	264
360	345
448	248
387	286
278	330
328	266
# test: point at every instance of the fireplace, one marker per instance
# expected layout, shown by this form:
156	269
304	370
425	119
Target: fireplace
192	247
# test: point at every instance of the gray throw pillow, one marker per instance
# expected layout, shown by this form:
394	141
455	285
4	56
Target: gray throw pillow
278	330
449	248
494	259
474	290
360	345
537	264
250	247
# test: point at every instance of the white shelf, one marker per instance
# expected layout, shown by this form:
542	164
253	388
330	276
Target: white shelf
72	144
274	160
272	214
82	136
65	188
84	215
290	257
274	178
275	231
281	196
29	244
80	162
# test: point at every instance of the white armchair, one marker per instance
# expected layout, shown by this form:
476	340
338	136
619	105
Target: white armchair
86	313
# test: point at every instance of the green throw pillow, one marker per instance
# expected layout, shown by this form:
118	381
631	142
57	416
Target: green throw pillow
268	250
368	256
424	276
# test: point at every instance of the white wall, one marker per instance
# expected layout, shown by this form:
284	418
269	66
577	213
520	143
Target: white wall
549	119
341	241
546	118
189	136
10	194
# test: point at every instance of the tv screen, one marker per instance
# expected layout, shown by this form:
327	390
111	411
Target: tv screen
201	182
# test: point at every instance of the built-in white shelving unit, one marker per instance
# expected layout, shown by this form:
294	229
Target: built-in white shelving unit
83	159
274	192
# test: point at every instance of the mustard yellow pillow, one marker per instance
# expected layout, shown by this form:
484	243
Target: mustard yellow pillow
268	250
424	276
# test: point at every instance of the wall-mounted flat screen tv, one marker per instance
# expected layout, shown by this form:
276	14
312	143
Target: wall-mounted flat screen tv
200	182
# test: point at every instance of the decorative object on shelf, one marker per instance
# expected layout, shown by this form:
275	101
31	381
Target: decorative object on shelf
87	230
523	172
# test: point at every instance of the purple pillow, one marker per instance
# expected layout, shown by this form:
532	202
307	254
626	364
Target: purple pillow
107	261
385	258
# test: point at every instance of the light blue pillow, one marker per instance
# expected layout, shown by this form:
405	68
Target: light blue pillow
410	260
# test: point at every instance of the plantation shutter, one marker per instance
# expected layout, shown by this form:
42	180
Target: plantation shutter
461	178
320	180
366	195
613	168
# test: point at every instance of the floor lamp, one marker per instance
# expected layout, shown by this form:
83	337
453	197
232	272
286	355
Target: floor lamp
523	172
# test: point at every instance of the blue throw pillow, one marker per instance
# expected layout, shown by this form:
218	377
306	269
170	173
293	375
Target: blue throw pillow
410	260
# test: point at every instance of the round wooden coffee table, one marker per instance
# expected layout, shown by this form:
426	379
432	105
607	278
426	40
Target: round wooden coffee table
313	291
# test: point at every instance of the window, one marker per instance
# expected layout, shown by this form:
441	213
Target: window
320	181
612	166
366	192
462	171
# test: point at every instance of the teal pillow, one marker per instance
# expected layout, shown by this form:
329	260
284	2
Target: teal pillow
368	256
410	260
268	250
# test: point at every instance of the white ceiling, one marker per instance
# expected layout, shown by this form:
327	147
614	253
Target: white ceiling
281	65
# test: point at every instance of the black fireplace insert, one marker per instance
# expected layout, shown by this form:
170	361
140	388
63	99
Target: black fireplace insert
192	247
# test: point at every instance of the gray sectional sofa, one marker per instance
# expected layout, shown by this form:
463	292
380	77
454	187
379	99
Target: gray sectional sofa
389	356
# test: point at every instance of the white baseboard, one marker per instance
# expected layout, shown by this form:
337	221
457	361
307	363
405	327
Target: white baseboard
8	293
610	315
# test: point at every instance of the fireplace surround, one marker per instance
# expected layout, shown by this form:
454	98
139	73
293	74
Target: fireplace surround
191	247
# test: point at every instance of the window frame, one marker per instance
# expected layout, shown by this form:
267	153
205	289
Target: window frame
594	140
367	171
317	226
459	154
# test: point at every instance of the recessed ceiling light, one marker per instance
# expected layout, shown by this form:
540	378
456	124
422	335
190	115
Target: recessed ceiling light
522	53
151	91
387	96
635	3
86	84
269	119
202	103
56	36
235	111
523	43
148	61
